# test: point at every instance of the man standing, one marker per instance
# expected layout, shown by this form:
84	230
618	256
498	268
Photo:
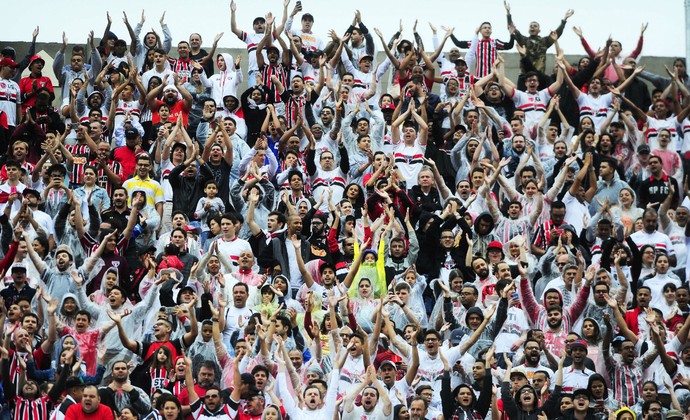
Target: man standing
90	407
373	393
171	94
120	393
649	235
75	388
10	98
67	74
281	249
143	182
576	376
109	171
657	187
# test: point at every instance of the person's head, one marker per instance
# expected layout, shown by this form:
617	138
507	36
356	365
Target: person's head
650	218
90	399
661	266
370	397
240	293
480	268
418	408
526	398
554	317
206	376
532	81
169	407
652	410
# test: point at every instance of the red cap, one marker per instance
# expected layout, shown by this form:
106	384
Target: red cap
495	244
8	62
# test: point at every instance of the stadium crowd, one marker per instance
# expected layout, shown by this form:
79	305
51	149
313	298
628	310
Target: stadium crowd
461	246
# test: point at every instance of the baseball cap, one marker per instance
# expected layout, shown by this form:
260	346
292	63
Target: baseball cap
581	391
29	191
8	52
673	414
36	58
643	148
365	57
495	244
307	16
170	87
258	19
131	133
456	335
578	343
19	267
460	60
145	249
8	62
518	371
272	48
387	362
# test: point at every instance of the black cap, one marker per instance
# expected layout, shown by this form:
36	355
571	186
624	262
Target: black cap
258	19
307	16
29	191
643	148
131	133
145	249
9	52
581	391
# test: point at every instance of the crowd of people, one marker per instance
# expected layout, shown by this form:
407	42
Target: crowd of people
459	246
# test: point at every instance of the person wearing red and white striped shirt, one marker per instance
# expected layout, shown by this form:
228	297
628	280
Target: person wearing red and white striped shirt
627	373
534	101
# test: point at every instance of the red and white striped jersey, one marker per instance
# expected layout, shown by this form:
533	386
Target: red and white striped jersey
654	125
595	108
534	104
252	40
81	154
9	98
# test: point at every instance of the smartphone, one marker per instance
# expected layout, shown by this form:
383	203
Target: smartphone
13	190
514	295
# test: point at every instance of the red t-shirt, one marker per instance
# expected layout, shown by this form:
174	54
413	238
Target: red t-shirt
75	412
175	111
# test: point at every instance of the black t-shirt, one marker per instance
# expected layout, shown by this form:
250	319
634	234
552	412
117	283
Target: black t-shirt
208	68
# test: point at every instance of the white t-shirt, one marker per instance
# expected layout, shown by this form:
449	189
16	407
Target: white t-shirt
534	104
358	413
576	213
232	249
658	240
409	160
515	323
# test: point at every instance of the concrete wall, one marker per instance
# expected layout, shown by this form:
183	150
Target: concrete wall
48	50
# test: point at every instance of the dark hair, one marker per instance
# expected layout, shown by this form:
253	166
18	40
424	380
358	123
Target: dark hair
240	284
557	205
280	217
54	168
85	313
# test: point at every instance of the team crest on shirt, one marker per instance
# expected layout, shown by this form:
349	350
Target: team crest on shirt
116	264
318	251
3	85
